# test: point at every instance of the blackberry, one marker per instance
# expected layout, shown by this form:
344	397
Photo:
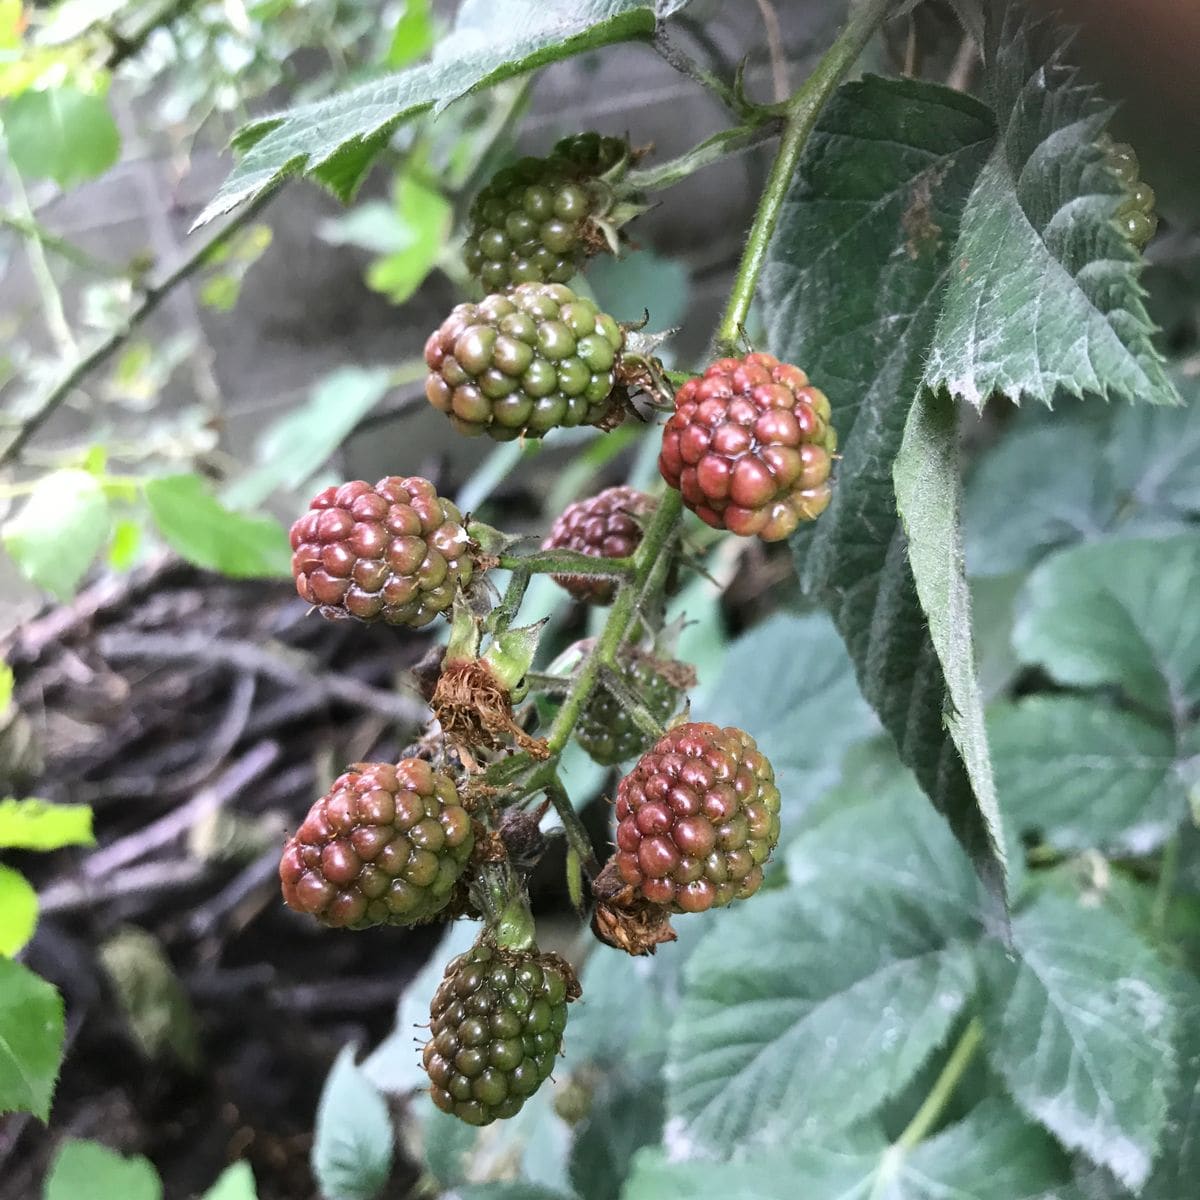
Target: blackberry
750	447
524	363
697	818
496	1026
395	552
606	730
606	525
384	846
537	220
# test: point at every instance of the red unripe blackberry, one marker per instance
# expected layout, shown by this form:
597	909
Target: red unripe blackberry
395	552
530	223
697	818
384	846
750	447
607	525
524	362
496	1026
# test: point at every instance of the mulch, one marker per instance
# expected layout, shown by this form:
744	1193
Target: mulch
200	717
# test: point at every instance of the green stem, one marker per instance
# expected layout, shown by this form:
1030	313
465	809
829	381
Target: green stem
655	544
577	836
643	718
935	1102
29	227
686	65
801	112
52	305
500	897
151	299
566	562
505	612
713	149
553	685
1167	873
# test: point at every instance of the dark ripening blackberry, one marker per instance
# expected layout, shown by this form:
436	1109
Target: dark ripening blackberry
395	552
384	846
606	730
607	525
697	818
534	222
1135	213
496	1026
750	447
523	363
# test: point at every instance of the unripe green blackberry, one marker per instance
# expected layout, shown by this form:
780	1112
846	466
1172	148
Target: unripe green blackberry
395	552
606	730
606	525
750	447
523	363
697	818
535	221
496	1026
384	846
1135	214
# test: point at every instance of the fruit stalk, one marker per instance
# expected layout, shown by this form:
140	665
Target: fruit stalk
801	110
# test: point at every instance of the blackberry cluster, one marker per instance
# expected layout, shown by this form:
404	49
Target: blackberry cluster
496	1026
531	223
384	846
395	552
523	363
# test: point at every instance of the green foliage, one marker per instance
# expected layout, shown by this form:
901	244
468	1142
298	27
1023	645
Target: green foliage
18	911
197	527
1050	303
751	1036
31	1036
1081	1012
60	134
790	674
1120	614
992	1155
150	995
235	1183
1082	774
293	449
38	825
334	140
881	147
59	530
352	1142
92	1170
